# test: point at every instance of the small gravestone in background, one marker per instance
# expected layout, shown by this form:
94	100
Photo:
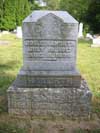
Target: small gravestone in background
19	32
96	42
89	36
80	32
49	83
5	32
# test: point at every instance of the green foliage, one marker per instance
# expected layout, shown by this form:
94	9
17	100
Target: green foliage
86	11
9	20
12	12
76	8
52	4
34	5
32	1
1	13
92	17
22	10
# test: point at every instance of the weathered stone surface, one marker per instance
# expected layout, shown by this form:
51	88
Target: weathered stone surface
48	82
50	101
50	41
51	25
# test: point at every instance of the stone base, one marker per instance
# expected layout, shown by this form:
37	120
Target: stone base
47	79
69	102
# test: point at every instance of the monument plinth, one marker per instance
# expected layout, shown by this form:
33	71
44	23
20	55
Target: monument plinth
48	82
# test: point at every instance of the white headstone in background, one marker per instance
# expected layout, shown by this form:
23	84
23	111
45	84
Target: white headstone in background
5	32
15	31
19	32
96	42
80	33
88	35
0	34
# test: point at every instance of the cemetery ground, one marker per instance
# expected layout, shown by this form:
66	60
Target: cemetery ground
88	62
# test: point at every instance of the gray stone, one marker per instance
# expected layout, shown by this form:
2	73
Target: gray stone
48	82
67	102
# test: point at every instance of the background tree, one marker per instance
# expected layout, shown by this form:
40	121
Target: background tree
12	12
92	17
77	8
52	4
22	10
34	5
8	15
1	13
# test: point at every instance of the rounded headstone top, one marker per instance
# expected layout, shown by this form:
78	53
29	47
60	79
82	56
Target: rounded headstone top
36	15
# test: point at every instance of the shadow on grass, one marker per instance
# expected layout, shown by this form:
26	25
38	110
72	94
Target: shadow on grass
5	81
7	76
85	41
9	65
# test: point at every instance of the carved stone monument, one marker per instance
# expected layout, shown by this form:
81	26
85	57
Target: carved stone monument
49	83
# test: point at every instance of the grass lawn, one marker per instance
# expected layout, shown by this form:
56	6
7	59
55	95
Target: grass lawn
89	65
88	62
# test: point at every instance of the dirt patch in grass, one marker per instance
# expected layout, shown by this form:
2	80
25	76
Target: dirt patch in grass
2	42
48	126
63	126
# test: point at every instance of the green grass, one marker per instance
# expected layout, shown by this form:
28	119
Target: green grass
89	65
88	62
10	63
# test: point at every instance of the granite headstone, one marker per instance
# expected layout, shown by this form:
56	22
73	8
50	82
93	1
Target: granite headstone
48	82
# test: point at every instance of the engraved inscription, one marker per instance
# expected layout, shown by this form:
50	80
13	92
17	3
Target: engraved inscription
49	50
49	82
